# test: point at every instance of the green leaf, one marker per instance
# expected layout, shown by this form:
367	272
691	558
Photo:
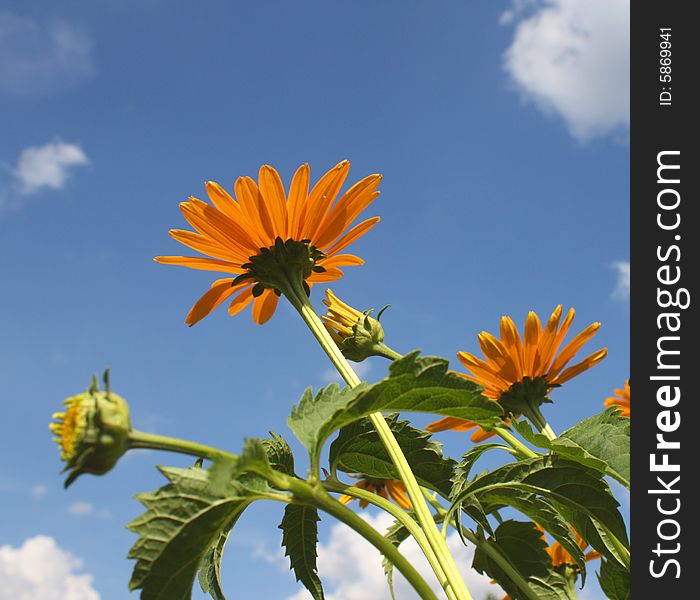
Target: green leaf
601	442
279	454
359	449
521	544
182	520
578	493
210	566
415	383
396	534
614	582
299	537
541	511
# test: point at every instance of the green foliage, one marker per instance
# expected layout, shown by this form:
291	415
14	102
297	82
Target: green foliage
614	582
210	566
359	449
601	442
182	521
521	544
578	493
415	383
299	537
279	454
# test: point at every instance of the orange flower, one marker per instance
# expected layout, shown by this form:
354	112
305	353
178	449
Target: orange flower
536	360
233	233
621	399
383	487
561	557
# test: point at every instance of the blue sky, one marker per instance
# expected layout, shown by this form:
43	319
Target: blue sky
505	189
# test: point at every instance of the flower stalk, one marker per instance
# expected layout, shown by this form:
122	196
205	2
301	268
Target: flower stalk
297	296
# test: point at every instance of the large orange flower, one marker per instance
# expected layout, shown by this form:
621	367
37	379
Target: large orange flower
621	399
235	231
536	361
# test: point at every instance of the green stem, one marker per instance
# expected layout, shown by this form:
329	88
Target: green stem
300	301
383	350
318	497
401	516
533	413
522	450
141	439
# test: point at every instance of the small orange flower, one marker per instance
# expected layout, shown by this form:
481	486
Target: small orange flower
382	487
510	360
234	232
561	557
621	399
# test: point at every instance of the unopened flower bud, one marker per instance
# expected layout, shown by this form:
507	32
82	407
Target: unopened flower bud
356	333
93	432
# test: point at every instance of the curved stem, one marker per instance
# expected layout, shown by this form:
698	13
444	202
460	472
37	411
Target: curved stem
300	301
141	439
401	516
317	496
383	350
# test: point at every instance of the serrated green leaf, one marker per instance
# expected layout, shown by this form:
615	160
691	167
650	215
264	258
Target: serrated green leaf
279	454
614	582
522	546
210	566
396	534
578	493
359	449
299	537
182	520
601	442
415	383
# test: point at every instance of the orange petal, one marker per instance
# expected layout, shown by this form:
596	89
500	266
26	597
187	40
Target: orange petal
398	492
253	206
298	194
220	290
533	330
203	264
205	245
241	301
480	435
272	191
579	368
264	306
450	423
331	274
570	350
321	198
342	260
356	232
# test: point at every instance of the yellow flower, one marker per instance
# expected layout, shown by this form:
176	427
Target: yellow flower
264	230
356	333
93	432
385	488
621	400
531	367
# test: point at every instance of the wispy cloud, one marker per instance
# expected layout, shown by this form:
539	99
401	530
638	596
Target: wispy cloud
362	369
571	58
622	288
85	509
40	168
37	57
39	568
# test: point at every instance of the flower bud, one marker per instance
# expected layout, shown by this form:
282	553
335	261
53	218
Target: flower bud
356	333
93	432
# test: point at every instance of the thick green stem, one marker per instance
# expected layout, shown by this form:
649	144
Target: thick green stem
318	497
300	301
383	350
533	413
141	439
402	517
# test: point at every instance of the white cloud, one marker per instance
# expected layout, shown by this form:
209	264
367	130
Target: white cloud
39	57
571	57
39	568
85	509
622	288
47	166
38	491
351	568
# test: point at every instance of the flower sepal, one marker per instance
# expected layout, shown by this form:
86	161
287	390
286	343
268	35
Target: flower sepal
93	432
526	393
